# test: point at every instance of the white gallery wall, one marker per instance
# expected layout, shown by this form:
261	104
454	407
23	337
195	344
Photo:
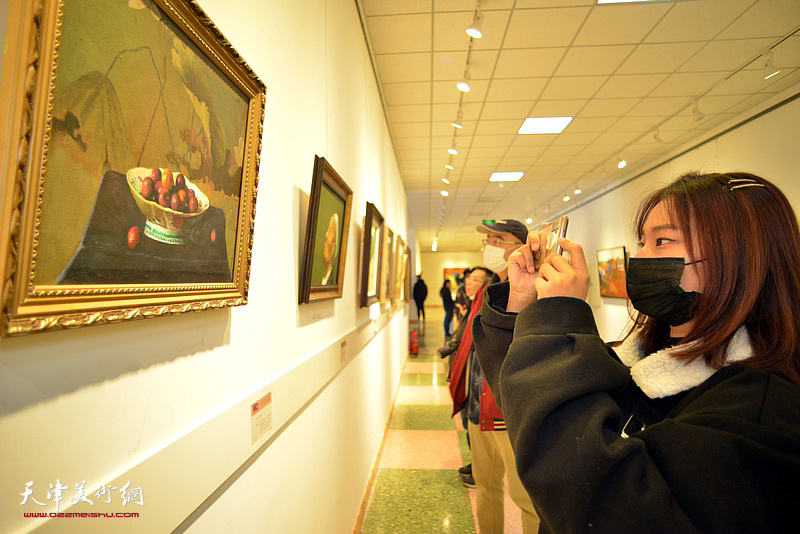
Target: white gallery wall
165	403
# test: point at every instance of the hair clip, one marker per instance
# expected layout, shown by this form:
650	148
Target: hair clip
737	183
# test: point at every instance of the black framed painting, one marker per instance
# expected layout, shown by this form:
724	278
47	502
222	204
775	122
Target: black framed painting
371	256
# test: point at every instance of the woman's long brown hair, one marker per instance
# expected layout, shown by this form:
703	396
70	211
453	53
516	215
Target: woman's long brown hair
750	240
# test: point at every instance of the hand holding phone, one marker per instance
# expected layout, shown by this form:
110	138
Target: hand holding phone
548	238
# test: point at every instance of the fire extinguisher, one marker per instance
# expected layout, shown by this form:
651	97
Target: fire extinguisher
414	349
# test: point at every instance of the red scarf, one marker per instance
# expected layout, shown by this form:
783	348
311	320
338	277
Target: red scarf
458	374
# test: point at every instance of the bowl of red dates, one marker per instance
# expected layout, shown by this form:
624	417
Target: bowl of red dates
171	203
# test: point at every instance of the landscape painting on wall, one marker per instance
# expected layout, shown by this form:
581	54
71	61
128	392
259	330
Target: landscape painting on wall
611	270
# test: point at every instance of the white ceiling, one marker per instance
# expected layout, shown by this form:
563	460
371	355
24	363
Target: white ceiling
620	70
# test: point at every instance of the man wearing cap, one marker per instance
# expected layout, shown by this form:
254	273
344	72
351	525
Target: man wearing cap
491	448
503	237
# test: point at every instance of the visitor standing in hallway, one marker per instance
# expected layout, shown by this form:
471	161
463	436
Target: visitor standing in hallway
492	455
420	294
449	307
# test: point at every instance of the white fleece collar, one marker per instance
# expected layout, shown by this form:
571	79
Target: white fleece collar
661	375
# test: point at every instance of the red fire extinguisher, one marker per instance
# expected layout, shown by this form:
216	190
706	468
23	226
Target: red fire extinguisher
414	349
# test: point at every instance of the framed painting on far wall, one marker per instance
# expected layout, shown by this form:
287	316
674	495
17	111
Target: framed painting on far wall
326	234
407	276
132	135
387	287
452	273
611	270
399	266
371	256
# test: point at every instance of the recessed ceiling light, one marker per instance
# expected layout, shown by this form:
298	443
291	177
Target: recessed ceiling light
528	220
443	193
448	167
445	180
621	164
544	125
566	198
505	176
577	192
452	151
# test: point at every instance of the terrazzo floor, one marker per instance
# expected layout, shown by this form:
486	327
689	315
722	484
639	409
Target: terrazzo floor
417	488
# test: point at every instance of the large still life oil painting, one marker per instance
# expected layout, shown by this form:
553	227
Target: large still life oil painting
149	165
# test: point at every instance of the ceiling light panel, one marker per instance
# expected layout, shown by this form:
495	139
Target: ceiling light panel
544	125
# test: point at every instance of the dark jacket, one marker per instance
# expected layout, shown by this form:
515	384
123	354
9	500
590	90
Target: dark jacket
447	299
420	290
722	456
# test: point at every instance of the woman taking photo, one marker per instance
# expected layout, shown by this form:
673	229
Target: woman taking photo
692	422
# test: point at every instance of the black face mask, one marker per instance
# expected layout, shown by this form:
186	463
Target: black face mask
654	287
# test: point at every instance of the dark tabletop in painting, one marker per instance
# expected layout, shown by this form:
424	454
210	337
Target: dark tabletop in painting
105	258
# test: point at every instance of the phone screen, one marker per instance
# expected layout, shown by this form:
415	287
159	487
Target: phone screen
548	237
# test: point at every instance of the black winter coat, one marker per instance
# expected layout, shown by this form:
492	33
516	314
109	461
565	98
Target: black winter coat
723	456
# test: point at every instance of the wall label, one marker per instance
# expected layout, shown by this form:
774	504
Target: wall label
261	417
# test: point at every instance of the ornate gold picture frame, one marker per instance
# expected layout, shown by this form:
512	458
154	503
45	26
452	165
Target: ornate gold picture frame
327	230
130	163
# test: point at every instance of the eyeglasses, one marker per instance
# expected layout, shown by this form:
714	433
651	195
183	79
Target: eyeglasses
498	242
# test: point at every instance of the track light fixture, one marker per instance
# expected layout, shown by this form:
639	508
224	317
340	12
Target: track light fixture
696	113
475	29
768	70
621	163
459	119
463	85
657	137
452	150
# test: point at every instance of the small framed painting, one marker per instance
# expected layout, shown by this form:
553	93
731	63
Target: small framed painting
611	270
371	257
387	287
407	276
326	234
399	266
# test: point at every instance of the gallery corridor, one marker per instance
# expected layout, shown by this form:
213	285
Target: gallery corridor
417	488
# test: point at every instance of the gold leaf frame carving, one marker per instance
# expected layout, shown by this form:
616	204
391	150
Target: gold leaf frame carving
29	76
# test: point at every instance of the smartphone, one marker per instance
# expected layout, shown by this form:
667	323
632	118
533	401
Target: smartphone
548	238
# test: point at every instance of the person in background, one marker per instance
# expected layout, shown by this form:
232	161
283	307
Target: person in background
460	350
420	294
492	455
462	302
692	422
449	305
502	238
